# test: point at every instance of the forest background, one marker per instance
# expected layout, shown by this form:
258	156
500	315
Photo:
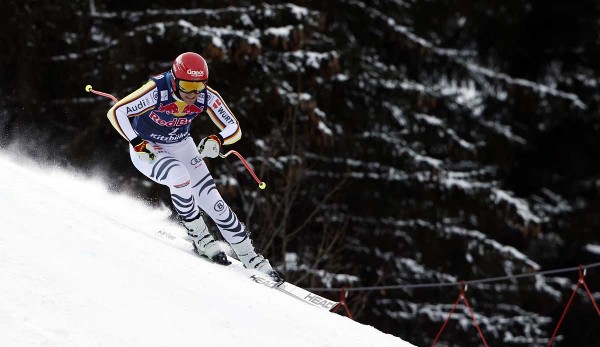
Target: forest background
402	142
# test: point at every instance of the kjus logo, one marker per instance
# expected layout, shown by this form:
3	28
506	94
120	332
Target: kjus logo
219	206
195	73
196	161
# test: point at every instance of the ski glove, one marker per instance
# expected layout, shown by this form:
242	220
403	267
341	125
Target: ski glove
144	150
210	146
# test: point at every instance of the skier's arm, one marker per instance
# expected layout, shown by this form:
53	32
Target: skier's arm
134	104
222	116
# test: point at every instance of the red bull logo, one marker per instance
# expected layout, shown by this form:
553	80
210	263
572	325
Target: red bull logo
176	122
180	109
192	109
169	108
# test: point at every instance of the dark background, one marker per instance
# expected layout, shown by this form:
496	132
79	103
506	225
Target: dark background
401	141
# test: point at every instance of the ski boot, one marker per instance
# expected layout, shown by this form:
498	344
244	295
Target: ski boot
252	260
204	243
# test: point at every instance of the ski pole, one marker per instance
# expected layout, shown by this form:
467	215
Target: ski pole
89	89
261	184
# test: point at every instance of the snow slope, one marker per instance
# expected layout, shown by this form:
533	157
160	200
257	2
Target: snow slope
79	266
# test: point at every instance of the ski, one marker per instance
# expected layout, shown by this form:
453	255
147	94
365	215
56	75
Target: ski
295	292
258	277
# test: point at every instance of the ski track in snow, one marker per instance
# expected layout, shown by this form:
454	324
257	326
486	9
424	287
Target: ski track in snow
79	267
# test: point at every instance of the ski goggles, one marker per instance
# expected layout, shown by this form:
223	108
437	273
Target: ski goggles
190	86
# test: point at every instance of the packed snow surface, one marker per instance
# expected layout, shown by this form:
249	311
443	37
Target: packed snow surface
79	266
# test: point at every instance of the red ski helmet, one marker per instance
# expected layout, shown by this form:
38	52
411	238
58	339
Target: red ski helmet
189	69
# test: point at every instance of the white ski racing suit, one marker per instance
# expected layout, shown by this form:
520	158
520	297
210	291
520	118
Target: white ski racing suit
155	114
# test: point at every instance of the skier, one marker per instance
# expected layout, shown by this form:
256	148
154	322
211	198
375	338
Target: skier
155	120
